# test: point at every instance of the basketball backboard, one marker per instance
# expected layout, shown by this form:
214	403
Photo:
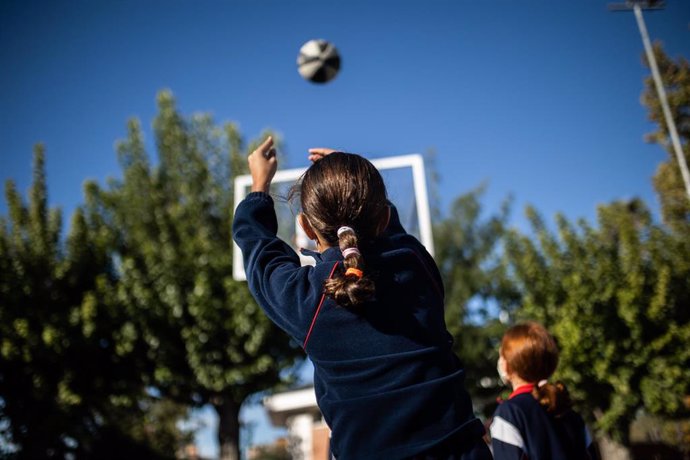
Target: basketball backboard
405	180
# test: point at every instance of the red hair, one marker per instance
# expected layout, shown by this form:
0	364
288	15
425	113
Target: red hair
531	352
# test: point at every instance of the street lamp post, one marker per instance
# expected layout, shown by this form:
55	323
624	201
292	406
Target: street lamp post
637	6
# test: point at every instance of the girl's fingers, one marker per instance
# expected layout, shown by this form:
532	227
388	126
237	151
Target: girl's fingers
262	166
265	147
315	154
321	151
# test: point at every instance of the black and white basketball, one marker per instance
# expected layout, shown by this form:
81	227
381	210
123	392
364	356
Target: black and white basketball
318	61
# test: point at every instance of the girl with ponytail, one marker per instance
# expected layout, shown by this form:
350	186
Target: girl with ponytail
369	314
537	420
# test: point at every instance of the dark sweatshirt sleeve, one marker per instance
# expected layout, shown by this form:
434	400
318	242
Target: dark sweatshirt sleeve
286	291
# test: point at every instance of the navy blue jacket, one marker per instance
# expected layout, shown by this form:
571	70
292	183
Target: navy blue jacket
522	429
386	379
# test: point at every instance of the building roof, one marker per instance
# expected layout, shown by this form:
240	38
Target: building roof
283	405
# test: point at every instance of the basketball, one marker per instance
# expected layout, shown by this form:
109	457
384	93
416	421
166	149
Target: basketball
318	61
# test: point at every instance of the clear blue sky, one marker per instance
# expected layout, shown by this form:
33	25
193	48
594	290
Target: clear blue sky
538	98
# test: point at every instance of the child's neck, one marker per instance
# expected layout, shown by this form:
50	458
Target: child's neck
516	382
322	245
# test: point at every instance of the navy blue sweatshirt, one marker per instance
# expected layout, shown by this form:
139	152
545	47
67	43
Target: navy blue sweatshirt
386	379
522	429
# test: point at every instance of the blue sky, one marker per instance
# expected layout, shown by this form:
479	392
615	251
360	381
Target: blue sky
540	99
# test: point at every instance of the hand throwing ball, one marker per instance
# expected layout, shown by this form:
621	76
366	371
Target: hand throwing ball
318	61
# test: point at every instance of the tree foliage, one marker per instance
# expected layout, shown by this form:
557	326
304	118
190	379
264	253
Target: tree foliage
169	224
70	376
137	301
616	294
668	182
467	245
616	298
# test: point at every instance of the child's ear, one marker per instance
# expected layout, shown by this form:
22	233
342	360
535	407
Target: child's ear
306	226
384	221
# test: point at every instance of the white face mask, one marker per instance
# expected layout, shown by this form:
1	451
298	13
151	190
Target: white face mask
501	368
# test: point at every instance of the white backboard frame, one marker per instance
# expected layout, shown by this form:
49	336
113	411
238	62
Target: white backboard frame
414	161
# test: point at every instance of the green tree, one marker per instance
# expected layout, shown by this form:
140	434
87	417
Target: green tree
668	182
616	295
467	248
70	375
616	298
207	339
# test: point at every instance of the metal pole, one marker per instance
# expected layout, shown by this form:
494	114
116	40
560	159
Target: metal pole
662	97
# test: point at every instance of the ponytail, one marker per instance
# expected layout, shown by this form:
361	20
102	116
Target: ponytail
349	287
553	397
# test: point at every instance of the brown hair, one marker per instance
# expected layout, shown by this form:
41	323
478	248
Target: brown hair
345	190
531	352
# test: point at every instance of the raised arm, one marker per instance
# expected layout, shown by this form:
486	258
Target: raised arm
263	165
276	279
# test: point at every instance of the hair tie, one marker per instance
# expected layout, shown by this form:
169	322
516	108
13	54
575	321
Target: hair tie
350	251
541	383
344	229
354	271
